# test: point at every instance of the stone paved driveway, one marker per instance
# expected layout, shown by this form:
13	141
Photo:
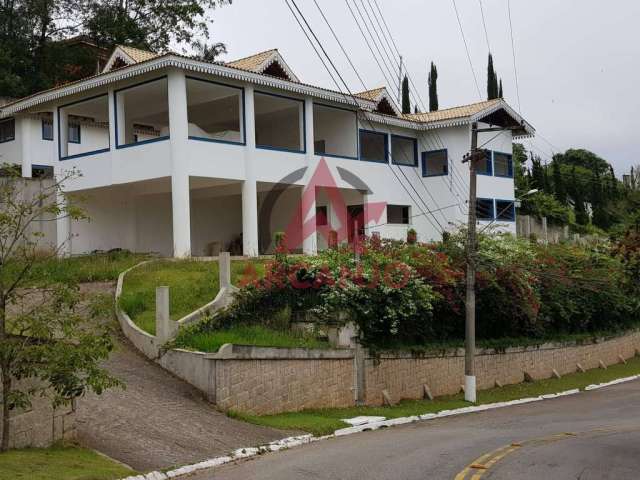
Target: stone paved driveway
159	421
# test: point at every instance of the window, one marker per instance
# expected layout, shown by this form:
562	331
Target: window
142	113
215	111
398	214
83	127
74	133
404	151
505	210
335	131
47	129
373	146
7	130
41	171
485	166
484	209
435	163
502	165
322	218
279	122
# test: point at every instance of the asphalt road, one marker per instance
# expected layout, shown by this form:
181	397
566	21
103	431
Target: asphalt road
593	435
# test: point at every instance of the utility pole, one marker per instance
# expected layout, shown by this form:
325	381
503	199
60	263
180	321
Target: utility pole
470	302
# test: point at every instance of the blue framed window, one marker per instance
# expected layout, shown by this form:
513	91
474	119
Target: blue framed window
435	163
93	112
74	133
279	122
215	111
485	209
47	129
485	165
335	131
502	164
505	211
7	130
145	103
373	146
404	151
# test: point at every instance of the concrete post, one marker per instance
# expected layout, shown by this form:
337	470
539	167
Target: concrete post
26	141
249	187
63	223
165	327
179	131
224	269
545	230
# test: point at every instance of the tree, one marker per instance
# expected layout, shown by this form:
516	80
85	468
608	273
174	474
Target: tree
32	57
500	92
406	101
492	80
51	338
433	88
559	189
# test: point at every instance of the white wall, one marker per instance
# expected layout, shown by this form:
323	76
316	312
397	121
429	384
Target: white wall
214	219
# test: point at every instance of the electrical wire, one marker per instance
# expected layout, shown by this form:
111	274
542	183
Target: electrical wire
466	47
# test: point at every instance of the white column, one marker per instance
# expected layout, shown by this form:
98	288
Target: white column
249	187
26	141
308	201
61	132
178	126
112	119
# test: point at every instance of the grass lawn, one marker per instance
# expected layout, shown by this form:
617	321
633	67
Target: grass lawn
246	335
83	268
192	284
59	463
326	421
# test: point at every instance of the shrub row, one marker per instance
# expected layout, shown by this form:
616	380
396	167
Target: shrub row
409	295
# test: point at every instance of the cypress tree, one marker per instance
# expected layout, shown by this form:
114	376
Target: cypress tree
500	93
433	88
406	102
492	80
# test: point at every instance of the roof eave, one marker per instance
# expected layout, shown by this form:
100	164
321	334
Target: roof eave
171	60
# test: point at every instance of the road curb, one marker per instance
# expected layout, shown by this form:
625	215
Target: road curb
291	442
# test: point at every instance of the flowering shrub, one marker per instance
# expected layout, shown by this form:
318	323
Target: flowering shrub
410	294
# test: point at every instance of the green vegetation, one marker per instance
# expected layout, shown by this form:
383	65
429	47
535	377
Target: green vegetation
59	462
192	284
326	421
211	341
98	267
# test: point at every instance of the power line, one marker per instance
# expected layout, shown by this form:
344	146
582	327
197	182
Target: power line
513	51
484	24
455	175
354	99
466	47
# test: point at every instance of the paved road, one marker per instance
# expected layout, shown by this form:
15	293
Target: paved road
158	421
594	435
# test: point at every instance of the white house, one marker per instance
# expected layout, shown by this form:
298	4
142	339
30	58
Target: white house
185	157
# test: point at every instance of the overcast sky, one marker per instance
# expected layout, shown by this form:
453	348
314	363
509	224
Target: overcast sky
578	61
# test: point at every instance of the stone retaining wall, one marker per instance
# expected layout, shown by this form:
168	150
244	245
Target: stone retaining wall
259	381
40	425
404	376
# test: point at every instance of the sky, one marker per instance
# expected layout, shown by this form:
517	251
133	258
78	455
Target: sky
577	61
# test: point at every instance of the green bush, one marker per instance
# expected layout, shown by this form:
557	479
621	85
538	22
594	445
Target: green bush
406	295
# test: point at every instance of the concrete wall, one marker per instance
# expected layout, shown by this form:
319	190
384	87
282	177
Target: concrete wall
40	425
528	225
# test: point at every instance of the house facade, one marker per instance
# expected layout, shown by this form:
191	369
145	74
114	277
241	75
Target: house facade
184	157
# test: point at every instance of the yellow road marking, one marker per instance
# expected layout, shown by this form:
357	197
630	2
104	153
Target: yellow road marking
484	463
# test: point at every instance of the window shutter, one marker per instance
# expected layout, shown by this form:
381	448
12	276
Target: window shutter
510	166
